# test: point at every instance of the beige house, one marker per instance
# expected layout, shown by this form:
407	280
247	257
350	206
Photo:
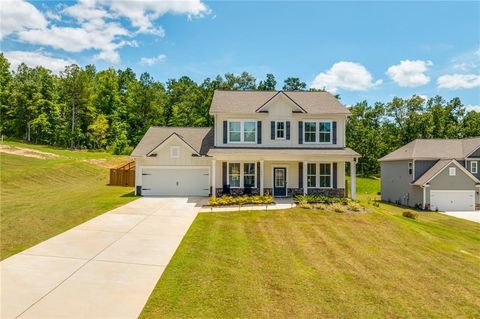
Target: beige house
281	143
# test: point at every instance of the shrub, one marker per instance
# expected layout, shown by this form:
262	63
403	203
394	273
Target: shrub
410	214
316	198
354	207
240	200
337	208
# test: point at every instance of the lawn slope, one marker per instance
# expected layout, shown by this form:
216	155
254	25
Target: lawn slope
41	198
299	263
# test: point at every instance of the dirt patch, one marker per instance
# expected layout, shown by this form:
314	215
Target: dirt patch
108	162
28	152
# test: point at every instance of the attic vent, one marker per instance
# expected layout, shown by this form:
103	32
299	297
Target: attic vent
153	155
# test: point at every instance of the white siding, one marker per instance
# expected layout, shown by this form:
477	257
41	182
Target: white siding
280	109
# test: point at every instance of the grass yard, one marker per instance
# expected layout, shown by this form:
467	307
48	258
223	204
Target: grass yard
305	263
41	198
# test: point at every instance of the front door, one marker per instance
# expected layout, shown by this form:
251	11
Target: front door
279	181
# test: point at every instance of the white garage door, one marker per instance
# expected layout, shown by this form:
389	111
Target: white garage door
452	200
175	182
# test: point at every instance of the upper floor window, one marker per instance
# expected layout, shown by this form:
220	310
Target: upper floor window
452	171
174	151
474	167
242	131
410	168
318	132
280	130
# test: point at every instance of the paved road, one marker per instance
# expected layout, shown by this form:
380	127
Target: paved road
472	216
104	268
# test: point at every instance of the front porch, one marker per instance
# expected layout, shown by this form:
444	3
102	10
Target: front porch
282	178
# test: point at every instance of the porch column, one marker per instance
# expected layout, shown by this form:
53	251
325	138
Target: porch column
353	179
261	177
214	188
304	177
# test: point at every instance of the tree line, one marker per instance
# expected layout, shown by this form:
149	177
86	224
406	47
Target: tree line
112	109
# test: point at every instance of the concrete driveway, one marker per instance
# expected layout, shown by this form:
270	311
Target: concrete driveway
104	268
473	216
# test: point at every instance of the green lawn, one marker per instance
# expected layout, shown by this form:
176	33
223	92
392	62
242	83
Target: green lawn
303	263
41	198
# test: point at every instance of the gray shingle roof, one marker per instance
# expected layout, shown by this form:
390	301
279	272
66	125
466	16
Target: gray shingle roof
199	138
437	168
247	102
435	149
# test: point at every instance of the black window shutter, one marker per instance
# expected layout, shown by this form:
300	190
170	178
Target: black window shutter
224	173
300	132
272	130
334	132
258	175
225	132
288	130
334	177
259	132
300	175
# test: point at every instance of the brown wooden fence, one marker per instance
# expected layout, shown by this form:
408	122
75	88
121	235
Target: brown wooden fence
123	175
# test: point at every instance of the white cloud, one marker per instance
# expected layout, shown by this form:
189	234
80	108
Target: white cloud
473	107
151	61
18	15
458	81
96	24
142	14
467	62
97	35
345	75
36	58
410	73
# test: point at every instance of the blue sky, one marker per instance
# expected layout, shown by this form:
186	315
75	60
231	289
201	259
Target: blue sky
361	50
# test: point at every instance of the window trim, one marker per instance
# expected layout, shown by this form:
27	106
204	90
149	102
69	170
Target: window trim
452	171
317	132
284	130
476	167
317	173
242	173
174	148
242	132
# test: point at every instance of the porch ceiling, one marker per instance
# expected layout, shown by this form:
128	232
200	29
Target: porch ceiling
280	154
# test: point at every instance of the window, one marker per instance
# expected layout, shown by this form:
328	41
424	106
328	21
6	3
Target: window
323	135
234	131
242	131
410	168
174	151
311	175
474	167
249	130
249	175
234	174
325	131
310	132
452	171
280	130
325	175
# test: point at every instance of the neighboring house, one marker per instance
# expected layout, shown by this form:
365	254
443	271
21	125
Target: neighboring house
434	174
280	143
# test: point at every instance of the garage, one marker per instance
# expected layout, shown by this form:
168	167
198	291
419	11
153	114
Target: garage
452	200
191	181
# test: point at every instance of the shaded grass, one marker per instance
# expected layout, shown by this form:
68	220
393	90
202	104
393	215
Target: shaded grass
304	263
42	198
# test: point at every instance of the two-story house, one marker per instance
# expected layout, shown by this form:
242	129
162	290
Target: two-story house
436	174
281	143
